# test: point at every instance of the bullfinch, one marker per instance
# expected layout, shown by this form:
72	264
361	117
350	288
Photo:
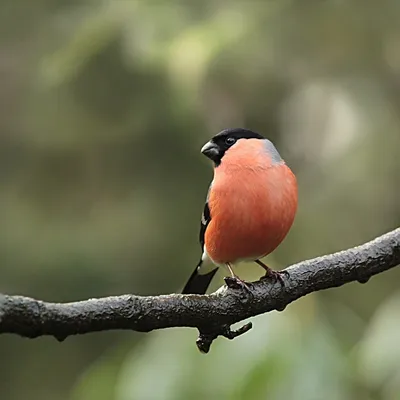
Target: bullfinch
250	206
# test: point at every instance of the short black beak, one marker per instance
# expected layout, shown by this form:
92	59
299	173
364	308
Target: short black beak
211	151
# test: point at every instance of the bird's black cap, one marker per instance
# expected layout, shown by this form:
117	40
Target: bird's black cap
220	143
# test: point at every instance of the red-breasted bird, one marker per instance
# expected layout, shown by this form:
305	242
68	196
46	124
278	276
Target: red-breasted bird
250	207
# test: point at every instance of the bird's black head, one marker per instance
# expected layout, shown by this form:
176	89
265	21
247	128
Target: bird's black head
222	141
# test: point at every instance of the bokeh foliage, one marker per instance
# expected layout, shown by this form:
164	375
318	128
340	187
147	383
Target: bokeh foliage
103	108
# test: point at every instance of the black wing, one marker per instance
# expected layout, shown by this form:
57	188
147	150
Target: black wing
198	283
205	220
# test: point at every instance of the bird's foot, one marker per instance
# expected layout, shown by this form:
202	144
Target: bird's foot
233	282
271	274
275	275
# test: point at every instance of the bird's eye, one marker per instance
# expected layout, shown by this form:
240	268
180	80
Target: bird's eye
230	140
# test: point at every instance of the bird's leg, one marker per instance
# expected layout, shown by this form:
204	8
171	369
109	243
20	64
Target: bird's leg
234	281
270	273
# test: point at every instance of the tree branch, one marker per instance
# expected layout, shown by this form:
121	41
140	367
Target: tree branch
212	314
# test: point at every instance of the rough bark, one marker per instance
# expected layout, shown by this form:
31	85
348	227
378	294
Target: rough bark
211	314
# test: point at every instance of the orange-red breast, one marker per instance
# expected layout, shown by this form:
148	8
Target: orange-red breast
250	207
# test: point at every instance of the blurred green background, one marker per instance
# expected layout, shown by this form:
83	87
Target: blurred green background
104	106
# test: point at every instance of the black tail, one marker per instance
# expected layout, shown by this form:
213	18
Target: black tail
198	283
